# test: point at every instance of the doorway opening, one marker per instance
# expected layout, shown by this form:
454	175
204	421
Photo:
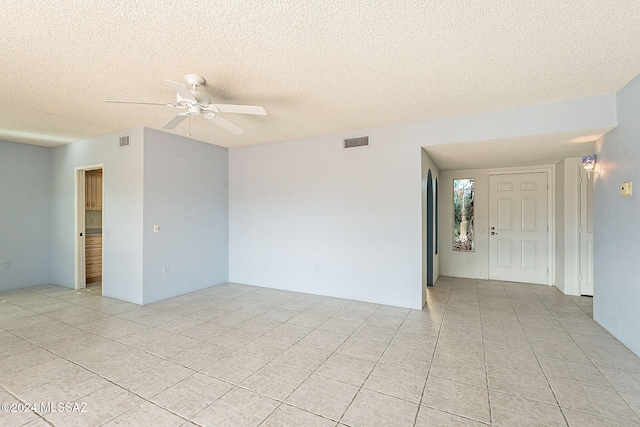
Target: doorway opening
429	227
89	219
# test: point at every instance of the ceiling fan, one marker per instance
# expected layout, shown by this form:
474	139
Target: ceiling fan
196	103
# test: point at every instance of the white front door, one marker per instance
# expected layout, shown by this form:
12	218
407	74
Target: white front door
518	227
586	233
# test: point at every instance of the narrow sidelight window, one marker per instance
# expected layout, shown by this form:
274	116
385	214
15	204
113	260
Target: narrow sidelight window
463	194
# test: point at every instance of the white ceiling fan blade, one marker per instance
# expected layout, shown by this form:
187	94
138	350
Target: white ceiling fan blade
171	124
220	121
139	102
241	109
183	91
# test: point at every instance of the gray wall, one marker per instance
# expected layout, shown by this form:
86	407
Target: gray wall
616	227
25	211
122	210
186	194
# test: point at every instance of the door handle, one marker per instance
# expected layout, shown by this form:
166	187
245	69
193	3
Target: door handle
493	233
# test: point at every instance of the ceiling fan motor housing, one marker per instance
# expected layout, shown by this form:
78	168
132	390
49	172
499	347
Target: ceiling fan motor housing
194	110
204	99
194	79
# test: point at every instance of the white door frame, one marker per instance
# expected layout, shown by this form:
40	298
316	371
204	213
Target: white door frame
551	248
586	255
79	229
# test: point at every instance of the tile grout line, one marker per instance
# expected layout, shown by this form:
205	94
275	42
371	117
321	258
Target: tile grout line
433	354
484	354
104	378
145	351
593	364
110	381
239	384
283	402
15	396
374	366
535	354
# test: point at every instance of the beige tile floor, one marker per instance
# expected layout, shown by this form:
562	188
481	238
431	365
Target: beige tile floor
480	353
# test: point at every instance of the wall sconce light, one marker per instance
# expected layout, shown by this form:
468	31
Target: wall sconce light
589	164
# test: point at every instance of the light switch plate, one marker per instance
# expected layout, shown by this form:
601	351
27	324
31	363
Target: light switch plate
156	228
626	189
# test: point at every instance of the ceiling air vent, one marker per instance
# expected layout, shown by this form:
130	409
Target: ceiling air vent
125	141
359	141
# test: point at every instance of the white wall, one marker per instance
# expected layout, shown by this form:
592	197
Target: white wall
559	222
352	213
186	194
567	220
580	114
426	166
616	297
475	264
357	213
25	211
122	207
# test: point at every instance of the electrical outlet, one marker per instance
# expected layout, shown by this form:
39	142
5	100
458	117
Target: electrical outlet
165	269
317	267
6	264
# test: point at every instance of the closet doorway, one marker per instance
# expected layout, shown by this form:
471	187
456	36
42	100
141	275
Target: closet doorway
89	220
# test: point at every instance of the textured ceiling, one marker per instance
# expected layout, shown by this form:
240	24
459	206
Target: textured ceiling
317	67
512	152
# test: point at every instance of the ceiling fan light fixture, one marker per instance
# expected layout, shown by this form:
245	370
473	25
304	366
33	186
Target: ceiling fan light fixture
194	110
